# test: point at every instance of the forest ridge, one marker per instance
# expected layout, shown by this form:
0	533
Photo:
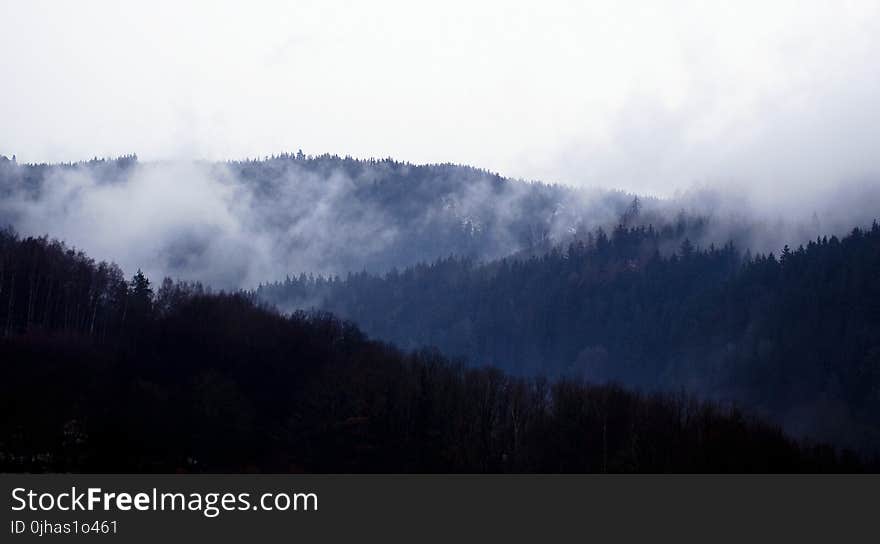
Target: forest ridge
568	297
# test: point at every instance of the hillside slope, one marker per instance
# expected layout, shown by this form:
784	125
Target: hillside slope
796	337
102	375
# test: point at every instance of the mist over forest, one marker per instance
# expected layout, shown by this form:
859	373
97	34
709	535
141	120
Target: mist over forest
765	306
238	224
400	237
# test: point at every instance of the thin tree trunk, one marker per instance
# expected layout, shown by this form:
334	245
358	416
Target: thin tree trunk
10	305
94	315
47	308
33	289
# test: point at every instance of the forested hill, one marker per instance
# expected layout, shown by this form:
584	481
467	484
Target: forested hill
236	224
100	374
795	336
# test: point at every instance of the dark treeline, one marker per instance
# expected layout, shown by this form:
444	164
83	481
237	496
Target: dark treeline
794	336
46	286
101	374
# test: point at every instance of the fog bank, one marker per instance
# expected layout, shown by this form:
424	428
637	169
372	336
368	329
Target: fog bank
237	224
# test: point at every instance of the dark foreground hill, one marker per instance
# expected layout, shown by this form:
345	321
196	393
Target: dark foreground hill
102	375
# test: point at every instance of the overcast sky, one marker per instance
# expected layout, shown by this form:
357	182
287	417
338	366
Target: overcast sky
649	96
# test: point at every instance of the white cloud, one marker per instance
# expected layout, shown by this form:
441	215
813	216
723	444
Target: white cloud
641	95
